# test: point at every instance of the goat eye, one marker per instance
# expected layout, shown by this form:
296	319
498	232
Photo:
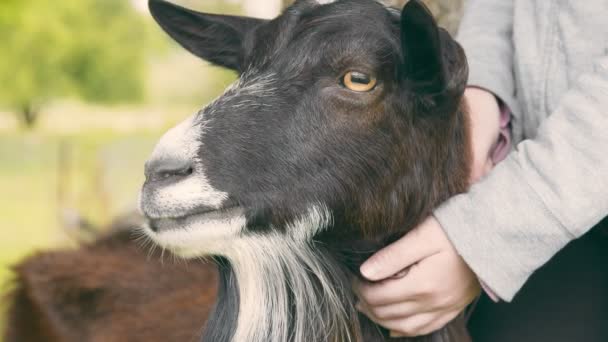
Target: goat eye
358	81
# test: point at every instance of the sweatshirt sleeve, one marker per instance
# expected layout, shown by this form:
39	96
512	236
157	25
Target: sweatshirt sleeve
549	191
486	34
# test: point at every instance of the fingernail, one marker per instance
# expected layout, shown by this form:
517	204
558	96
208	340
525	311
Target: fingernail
368	270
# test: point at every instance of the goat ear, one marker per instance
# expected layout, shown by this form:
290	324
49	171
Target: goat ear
421	47
215	38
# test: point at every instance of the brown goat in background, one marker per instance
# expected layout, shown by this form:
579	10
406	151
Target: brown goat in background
110	290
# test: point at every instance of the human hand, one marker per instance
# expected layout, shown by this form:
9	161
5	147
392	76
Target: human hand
436	286
484	115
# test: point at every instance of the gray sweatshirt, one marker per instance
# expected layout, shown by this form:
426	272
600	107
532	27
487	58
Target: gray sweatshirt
548	61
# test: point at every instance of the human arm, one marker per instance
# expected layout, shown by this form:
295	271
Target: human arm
486	35
550	191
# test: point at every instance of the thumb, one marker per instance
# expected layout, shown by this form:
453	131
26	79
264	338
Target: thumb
397	256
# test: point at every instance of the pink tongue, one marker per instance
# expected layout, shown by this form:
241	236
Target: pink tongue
503	145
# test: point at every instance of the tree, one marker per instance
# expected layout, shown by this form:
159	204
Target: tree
91	49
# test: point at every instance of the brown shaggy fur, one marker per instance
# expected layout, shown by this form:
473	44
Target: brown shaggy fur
110	290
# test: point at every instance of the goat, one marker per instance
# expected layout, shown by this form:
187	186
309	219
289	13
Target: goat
345	129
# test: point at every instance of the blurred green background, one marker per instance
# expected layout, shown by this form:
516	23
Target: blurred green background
86	89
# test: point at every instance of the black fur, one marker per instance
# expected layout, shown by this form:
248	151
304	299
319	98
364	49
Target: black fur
216	38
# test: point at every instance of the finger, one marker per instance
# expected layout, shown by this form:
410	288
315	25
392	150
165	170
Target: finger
391	291
415	288
430	328
396	311
398	256
409	327
439	323
364	309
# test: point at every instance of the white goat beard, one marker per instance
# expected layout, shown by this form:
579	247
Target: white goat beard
270	270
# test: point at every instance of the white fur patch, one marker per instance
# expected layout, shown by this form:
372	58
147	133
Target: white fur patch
182	198
200	235
309	224
180	142
217	232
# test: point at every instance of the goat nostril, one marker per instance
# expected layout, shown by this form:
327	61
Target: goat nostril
179	173
188	171
164	169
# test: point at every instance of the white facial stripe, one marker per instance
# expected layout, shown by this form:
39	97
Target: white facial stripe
180	142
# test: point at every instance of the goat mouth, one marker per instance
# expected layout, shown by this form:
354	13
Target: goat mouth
159	225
